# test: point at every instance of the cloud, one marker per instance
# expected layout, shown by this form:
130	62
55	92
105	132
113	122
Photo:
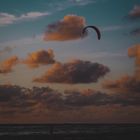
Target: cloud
68	28
134	51
34	60
73	72
43	104
128	87
7	65
32	15
91	97
135	32
42	57
6	18
135	12
126	90
126	84
75	98
16	100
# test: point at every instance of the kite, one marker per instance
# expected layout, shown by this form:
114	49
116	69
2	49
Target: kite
93	27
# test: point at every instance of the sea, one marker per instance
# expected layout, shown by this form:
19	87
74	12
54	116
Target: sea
70	131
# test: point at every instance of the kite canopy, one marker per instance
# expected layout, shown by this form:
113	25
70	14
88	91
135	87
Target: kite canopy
93	27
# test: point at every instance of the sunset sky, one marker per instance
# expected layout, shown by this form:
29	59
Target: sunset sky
49	73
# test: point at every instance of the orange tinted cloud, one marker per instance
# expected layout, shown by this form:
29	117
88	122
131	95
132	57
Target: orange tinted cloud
126	90
126	84
76	71
42	57
68	28
7	65
134	51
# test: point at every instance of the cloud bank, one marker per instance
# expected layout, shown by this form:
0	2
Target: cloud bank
19	100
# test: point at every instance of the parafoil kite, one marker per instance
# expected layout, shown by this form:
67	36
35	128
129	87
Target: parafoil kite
93	27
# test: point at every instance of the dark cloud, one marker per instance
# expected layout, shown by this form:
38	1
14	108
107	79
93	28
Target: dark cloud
68	28
135	32
16	100
79	99
19	100
73	72
7	65
86	98
41	57
135	12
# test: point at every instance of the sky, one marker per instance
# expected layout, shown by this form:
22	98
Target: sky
50	73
